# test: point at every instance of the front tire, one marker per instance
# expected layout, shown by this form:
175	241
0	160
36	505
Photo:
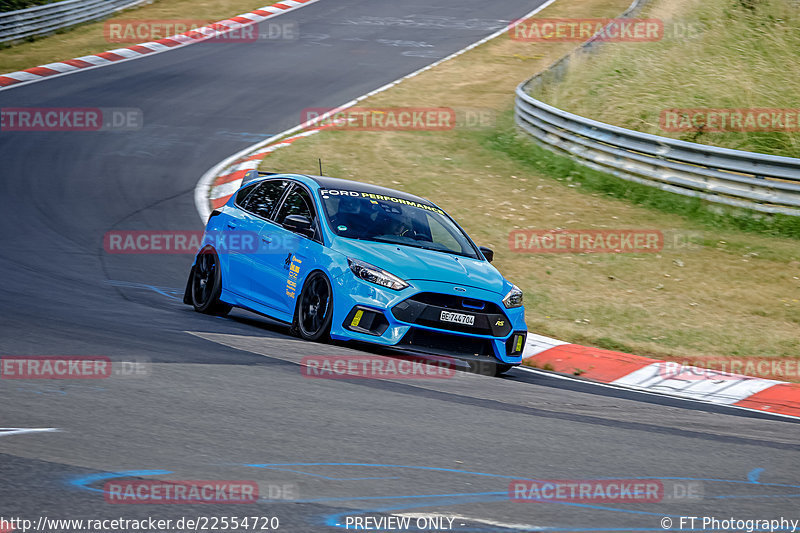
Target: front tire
206	284
314	311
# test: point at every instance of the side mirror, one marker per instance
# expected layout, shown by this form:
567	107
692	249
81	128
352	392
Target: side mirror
488	253
298	224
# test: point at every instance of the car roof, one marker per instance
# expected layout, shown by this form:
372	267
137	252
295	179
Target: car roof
326	182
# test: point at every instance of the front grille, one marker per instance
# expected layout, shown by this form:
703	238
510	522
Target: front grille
457	303
425	309
444	343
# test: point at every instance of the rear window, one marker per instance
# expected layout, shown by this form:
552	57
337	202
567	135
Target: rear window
261	201
243	192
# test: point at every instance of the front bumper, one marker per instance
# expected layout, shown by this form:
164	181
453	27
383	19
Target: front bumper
410	319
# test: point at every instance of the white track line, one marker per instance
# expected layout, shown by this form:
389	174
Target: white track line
5	432
628	388
98	62
457	518
203	186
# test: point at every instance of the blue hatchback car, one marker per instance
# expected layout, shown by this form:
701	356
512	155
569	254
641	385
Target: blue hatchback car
351	261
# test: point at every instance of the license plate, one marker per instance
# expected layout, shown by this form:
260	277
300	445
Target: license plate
458	318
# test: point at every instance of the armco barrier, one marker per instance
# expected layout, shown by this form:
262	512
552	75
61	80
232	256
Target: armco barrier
765	183
41	20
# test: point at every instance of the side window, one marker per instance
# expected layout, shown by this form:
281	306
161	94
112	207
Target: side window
298	202
243	192
264	197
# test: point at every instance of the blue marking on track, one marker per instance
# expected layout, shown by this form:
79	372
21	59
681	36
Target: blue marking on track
164	291
435	500
754	474
83	482
405	502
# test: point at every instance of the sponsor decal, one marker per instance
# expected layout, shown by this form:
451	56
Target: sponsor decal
327	193
293	263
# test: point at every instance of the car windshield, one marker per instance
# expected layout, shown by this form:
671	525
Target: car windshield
379	218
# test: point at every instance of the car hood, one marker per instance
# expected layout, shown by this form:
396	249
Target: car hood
411	263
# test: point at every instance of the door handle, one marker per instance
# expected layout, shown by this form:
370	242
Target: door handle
266	239
231	225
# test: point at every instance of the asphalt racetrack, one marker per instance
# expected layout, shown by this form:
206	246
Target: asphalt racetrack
224	398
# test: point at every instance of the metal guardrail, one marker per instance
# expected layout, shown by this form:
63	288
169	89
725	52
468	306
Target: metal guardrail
41	20
765	183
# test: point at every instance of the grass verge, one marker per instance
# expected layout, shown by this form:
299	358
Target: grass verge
89	38
711	216
714	54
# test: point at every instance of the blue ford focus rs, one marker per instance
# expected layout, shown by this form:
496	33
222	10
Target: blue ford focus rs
346	260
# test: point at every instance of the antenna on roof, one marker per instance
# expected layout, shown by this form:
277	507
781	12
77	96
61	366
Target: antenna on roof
320	166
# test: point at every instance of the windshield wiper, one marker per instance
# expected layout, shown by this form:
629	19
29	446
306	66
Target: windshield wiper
443	250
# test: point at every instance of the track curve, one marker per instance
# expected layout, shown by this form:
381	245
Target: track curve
223	396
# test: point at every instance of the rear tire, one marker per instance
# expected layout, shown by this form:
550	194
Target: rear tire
205	284
313	313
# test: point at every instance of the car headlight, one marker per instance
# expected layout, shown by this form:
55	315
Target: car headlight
376	275
513	298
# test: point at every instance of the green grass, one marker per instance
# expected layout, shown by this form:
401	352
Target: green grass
520	147
90	38
715	54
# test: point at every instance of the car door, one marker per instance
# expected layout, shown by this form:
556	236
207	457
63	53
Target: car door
255	212
294	254
231	223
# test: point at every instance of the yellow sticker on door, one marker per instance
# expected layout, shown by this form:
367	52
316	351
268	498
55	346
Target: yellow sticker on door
291	281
